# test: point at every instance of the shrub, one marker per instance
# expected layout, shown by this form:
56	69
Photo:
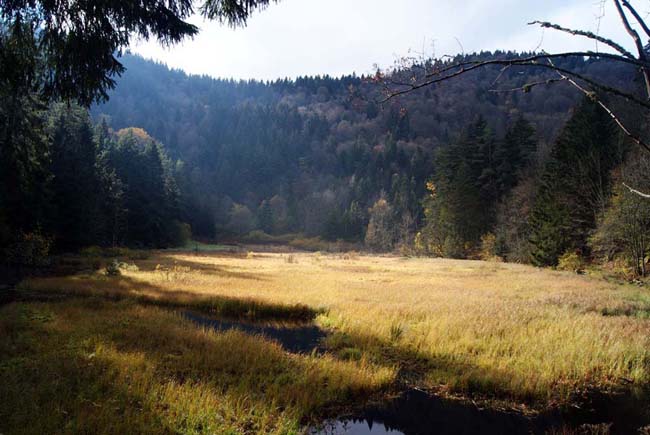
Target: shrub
181	233
258	236
453	247
126	253
571	261
113	268
488	247
310	244
29	250
380	234
92	252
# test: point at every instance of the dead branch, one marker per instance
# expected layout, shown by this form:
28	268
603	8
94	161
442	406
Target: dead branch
637	17
636	192
590	35
637	41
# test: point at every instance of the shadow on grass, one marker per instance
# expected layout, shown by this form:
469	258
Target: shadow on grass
203	268
125	288
131	369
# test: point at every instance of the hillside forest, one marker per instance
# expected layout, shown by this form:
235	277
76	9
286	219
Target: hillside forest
456	170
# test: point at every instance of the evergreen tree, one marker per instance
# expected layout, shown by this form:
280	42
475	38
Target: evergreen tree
573	183
265	217
513	154
74	215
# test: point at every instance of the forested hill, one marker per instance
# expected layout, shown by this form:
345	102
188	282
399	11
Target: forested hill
308	155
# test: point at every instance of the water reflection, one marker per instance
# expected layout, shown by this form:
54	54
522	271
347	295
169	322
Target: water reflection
418	413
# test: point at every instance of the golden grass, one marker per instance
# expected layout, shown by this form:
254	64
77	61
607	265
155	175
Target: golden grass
503	331
92	366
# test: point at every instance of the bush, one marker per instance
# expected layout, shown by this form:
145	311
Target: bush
380	234
113	268
29	250
488	247
571	261
310	244
453	247
126	253
92	252
181	233
260	237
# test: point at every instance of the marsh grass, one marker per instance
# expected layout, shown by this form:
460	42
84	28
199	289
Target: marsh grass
90	366
467	328
117	288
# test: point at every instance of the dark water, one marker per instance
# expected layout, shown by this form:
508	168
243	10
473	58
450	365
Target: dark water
293	338
418	413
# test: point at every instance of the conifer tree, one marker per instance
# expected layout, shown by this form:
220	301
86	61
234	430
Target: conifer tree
573	182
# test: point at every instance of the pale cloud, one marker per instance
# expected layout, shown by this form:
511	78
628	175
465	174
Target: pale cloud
309	37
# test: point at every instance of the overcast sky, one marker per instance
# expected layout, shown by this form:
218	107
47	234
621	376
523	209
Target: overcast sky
309	37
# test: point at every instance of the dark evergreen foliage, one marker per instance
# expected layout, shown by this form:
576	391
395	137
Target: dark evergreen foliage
575	184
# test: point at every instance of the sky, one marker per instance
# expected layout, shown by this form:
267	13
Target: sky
317	37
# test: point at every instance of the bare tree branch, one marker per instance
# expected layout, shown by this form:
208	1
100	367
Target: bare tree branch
637	17
636	192
635	138
637	41
592	88
529	86
586	34
465	67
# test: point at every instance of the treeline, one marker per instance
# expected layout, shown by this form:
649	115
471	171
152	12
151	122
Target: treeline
453	171
501	198
313	155
90	186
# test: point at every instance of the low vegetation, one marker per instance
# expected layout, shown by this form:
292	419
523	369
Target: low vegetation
117	358
96	366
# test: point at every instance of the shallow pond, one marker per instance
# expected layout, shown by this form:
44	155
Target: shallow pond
417	413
